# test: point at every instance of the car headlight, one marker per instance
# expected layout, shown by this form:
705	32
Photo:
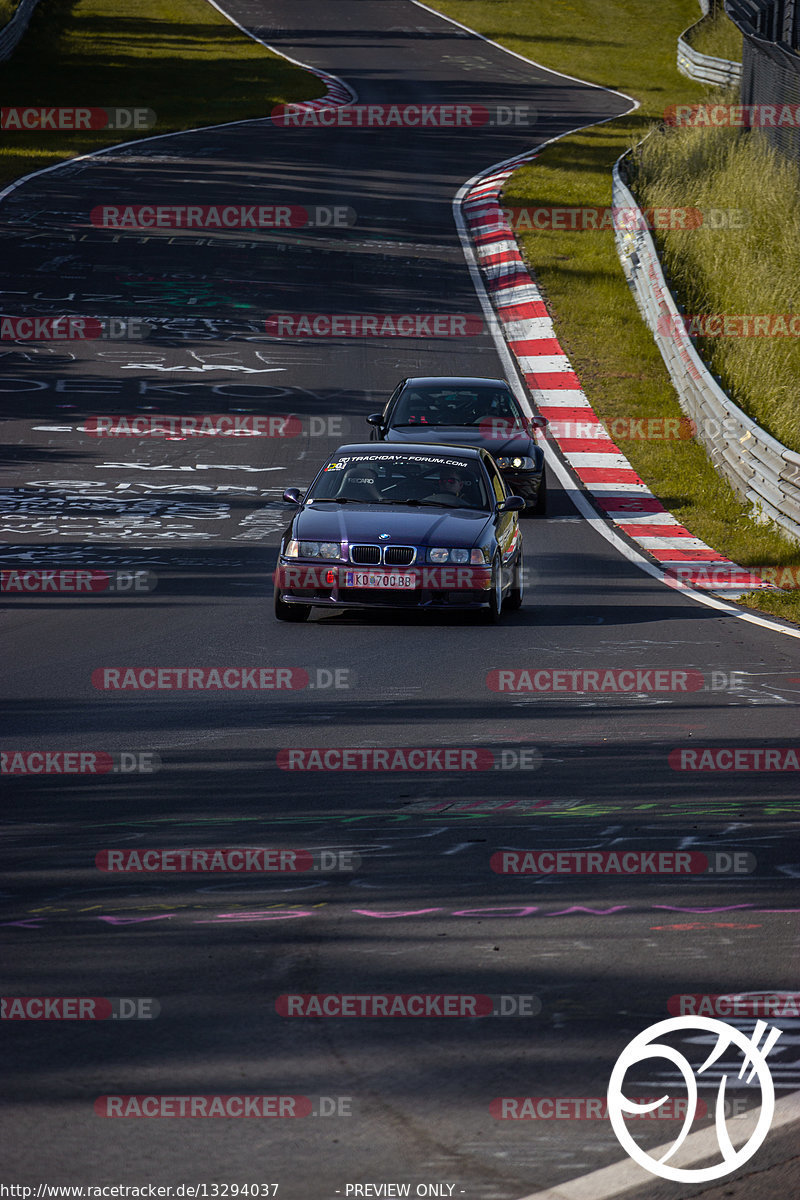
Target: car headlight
296	549
442	554
518	462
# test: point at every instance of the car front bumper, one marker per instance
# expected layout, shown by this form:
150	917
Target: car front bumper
326	586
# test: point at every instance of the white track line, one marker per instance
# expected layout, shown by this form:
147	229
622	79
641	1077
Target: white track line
612	1181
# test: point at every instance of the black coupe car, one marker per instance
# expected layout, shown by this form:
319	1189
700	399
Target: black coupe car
402	526
470	412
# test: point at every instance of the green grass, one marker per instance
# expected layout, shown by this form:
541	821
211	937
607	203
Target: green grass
621	44
180	58
719	168
718	36
7	10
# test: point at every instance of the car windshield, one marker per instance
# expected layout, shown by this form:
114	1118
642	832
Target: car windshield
395	478
457	406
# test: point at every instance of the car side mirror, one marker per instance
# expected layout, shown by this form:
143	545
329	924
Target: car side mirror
293	496
511	504
375	419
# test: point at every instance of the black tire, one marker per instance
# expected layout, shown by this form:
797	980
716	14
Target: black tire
290	612
494	610
517	593
539	509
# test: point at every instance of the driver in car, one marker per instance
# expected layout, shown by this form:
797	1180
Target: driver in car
452	486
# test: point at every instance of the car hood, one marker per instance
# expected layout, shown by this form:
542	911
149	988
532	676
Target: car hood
457	435
405	525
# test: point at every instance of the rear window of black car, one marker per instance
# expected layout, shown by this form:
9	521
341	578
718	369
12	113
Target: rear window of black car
455	405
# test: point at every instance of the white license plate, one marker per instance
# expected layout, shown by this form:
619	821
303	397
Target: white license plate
383	581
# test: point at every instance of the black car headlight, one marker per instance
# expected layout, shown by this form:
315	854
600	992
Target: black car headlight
517	462
445	554
299	549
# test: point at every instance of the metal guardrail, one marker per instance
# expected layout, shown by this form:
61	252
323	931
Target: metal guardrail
705	68
758	467
12	33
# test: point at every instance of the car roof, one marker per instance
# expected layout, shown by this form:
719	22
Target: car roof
455	380
426	448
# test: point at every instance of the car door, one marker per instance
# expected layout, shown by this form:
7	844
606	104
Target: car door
506	524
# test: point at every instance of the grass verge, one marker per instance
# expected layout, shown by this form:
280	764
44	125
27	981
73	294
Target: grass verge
721	168
180	58
7	10
625	45
718	36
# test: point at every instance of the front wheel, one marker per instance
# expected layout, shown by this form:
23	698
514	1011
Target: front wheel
290	612
539	509
495	609
517	593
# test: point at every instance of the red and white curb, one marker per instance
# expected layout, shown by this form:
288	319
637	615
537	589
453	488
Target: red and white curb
602	468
